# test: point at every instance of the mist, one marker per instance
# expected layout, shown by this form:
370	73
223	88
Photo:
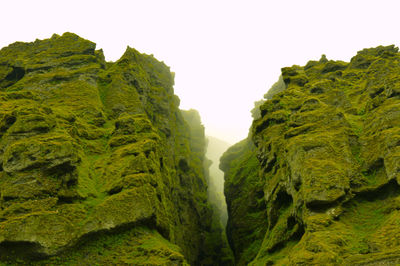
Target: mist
215	149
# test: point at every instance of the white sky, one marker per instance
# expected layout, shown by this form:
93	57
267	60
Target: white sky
226	54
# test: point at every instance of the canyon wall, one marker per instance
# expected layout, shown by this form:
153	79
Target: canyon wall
317	180
97	164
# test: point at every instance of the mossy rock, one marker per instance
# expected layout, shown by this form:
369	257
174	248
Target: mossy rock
90	160
328	162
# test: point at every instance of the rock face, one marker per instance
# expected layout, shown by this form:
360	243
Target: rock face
320	184
96	163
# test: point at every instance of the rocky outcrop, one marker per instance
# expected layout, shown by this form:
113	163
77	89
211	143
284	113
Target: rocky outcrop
96	162
320	186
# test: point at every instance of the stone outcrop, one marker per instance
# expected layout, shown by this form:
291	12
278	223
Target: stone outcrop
320	184
96	161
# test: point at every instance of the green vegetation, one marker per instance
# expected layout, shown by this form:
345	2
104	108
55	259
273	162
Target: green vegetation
243	190
327	168
97	165
136	246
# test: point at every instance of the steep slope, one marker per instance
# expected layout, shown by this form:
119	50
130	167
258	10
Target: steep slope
328	167
96	163
215	149
244	196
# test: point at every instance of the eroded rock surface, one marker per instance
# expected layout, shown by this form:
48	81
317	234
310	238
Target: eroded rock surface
95	160
324	189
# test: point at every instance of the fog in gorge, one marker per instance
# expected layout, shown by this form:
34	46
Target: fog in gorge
215	149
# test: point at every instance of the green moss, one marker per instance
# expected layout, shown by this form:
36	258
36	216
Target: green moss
243	190
103	148
327	148
138	246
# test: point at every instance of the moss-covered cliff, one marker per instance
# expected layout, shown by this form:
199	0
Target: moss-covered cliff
320	184
96	161
244	195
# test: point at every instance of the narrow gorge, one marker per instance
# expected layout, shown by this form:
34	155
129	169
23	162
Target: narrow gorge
99	166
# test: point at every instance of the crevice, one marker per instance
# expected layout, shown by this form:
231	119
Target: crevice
147	153
65	200
317	90
376	92
394	94
183	165
298	234
297	183
60	169
269	122
384	191
9	198
9	121
291	222
320	206
115	190
268	164
260	194
277	247
14	76
282	201
72	182
11	250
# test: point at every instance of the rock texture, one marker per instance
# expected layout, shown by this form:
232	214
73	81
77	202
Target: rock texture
320	184
96	161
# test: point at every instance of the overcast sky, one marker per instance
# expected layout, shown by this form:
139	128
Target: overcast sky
226	54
